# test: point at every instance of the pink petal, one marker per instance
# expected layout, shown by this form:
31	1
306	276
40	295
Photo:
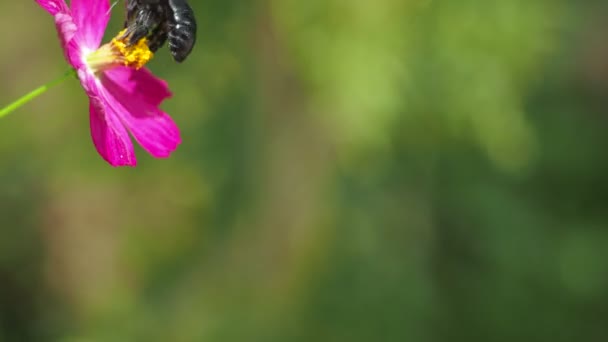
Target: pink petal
152	89
110	138
73	53
135	95
66	29
54	6
91	18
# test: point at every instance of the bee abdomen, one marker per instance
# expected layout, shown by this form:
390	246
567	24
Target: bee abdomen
182	34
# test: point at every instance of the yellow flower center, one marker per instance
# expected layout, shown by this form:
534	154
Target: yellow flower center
119	53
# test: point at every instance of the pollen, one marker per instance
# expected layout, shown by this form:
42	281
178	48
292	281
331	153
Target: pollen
136	55
119	53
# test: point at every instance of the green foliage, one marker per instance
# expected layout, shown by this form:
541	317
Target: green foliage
386	170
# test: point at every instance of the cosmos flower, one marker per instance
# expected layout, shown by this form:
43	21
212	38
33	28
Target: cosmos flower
123	96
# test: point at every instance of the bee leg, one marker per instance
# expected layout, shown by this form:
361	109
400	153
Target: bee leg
137	34
157	37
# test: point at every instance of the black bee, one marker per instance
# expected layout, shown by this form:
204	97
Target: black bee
159	21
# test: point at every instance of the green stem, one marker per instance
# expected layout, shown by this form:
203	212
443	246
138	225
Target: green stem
35	93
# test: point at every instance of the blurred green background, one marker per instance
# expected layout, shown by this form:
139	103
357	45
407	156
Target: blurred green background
386	170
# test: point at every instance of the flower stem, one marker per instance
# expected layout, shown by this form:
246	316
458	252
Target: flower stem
34	93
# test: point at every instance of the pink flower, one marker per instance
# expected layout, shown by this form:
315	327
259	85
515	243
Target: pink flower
122	94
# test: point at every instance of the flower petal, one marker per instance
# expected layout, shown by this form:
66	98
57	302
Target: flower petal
142	82
54	6
91	18
66	28
135	95
110	138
